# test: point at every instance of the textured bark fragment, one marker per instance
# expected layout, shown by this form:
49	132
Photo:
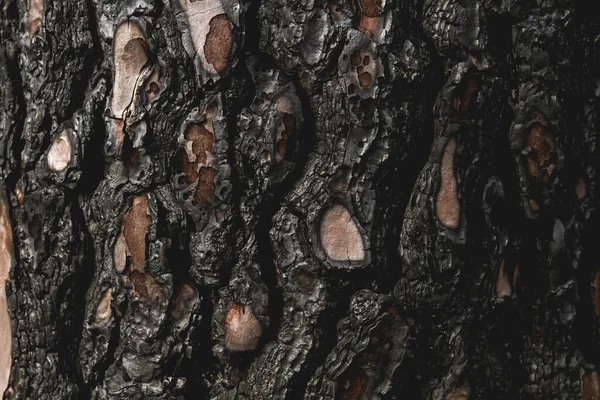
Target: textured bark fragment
340	236
6	259
447	201
130	54
242	328
186	295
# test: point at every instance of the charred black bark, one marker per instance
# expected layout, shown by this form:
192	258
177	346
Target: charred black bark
271	199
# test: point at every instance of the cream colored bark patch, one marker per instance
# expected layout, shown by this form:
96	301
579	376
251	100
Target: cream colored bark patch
103	311
130	56
447	202
340	237
242	329
6	257
60	153
208	17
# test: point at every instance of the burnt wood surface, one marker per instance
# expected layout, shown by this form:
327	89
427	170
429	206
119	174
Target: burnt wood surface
287	199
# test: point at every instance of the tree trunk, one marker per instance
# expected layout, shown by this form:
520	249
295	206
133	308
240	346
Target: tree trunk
281	199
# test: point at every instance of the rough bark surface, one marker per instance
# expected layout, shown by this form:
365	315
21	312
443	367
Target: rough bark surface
321	199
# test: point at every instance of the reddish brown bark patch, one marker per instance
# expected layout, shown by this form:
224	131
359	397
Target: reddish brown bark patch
146	286
503	288
219	41
185	296
205	191
541	159
353	385
447	202
590	385
460	393
365	80
370	8
597	293
136	223
6	259
465	92
288	131
340	236
242	329
202	141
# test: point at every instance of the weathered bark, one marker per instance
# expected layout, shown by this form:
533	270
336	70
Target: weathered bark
324	199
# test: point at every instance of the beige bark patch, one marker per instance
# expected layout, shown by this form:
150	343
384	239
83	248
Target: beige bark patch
130	56
447	202
6	258
460	393
590	385
580	189
35	16
340	236
503	287
60	153
136	223
242	329
103	311
146	286
219	42
120	253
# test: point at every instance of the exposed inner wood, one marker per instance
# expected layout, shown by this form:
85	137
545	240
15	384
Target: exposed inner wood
35	16
6	259
242	329
103	311
60	153
219	42
447	201
136	223
340	236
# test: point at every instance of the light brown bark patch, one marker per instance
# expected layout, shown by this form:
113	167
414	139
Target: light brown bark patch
365	80
503	287
219	41
370	8
35	16
540	161
447	202
6	258
136	223
340	236
242	329
202	141
460	393
130	53
205	191
146	286
590	385
353	386
369	25
186	295
580	189
103	311
60	153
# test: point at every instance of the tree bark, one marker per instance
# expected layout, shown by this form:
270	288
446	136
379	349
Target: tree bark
347	199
